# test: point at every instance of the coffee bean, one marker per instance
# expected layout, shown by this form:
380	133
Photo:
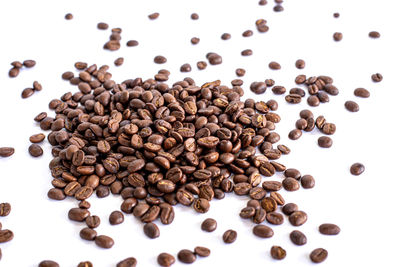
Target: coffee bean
258	87
329	128
374	34
195	40
77	214
294	173
300	64
306	114
104	241
318	255
307	181
5	209
247	212
361	92
298	218
351	106
240	72
337	36
214	58
128	262
225	36
209	225
263	231
278	8
329	229
295	134
325	141
186	68
37	138
116	217
186	256
6	152
290	184
151	230
132	43
69	16
274	218
247	33
262	2
85	264
377	77
247	52
313	100
202	251
201	65
102	26
56	194
274	65
35	150
289	208
293	98
194	16
278	253
119	61
229	236
336	15
27	92
154	16
357	168
160	60
88	234
298	238
48	263
278	90
165	259
6	235
29	63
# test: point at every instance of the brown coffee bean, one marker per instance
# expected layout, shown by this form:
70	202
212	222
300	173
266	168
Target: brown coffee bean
357	168
195	40
27	92
289	208
313	100
298	238
128	262
104	241
160	60
278	8
278	90
307	181
247	52
116	217
154	16
351	106
56	194
165	259
186	68
229	236
263	231
274	218
374	34
295	134
119	61
325	141
5	209
201	65
274	65
290	184
151	230
48	263
77	214
337	36
209	225
329	128
336	15
214	58
318	255
258	87
132	43
85	264
293	98
88	234
361	92
37	138
35	150
377	77
6	152
186	256
29	63
194	16
6	235
202	251
329	229
93	221
247	33
240	72
298	218
278	253
300	64
225	36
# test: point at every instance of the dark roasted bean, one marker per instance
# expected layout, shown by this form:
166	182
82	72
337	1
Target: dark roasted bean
329	229
298	218
298	238
229	236
318	255
263	231
278	253
186	256
165	259
104	241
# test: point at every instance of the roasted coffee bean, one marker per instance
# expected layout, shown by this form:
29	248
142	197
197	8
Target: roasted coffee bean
278	90
361	92
160	60
277	253
336	15
195	40
272	185
329	229
93	221
278	8
294	134
102	26
247	212
225	36
229	236
337	36
56	194
186	256
35	150
186	68
48	263
357	168
27	92
305	114
293	98
313	100
128	262
154	16
209	225
300	64
298	238
247	33
6	235
274	65
329	128
247	52
151	230
201	65
290	184
377	77
374	34
318	255
13	72
37	138
165	259
116	217
88	234
301	124
6	151
85	264
298	218
119	61
5	209
37	86
194	16
307	181
214	58
289	208
104	241
263	231
258	87
351	106
29	63
325	141
132	43
274	218
202	251
269	204
294	173
240	72
201	205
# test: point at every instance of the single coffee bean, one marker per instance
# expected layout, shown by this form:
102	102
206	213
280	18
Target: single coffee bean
263	231
35	150
361	92
56	194
13	72
351	106
85	264
325	141
240	72
229	236
6	235
298	238
329	229
247	212
88	234
274	65
247	52
128	262
194	16
6	151
278	90
116	217
292	172
160	60
201	65
374	34
336	15
377	77
300	64
293	98
337	36
93	221
27	92
202	251
186	256
278	253
154	16
278	8
165	259
104	241
209	225
77	214
195	40
313	100
102	26
151	230
37	138
290	184
298	218
29	63
225	36
214	58
295	134
247	33
329	128
186	68
119	61
357	168
48	263
318	255
5	209
305	114
307	181
275	218
289	208
258	87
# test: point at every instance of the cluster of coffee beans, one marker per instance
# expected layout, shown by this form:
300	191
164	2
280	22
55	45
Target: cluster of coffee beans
114	43
17	66
5	234
27	92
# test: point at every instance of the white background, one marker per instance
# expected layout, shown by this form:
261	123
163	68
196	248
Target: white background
365	207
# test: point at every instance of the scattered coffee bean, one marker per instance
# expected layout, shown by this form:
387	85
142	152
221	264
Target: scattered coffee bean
337	36
318	255
6	235
102	26
209	225
278	253
274	65
132	43
289	208
48	263
29	63
357	168
186	256
194	16
13	72
278	8
225	36
300	64
201	65
35	150
27	92
116	217
240	72
69	16
298	218
377	77
195	40
307	181
165	259
295	134
56	194
186	68
247	33
258	87
263	231
329	229
6	152
247	52
77	214
214	58
361	92
293	98
154	16
128	262
104	241
160	60
202	251
88	234
37	138
278	90
325	142
85	264
229	236
290	184
5	209
351	106
151	230
328	128
336	15
374	34
298	238
313	101
119	61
